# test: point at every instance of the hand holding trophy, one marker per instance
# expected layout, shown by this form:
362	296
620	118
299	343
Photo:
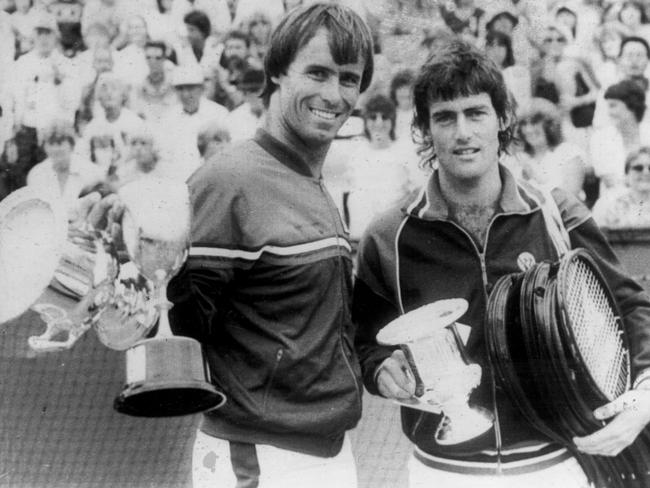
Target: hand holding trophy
165	375
444	377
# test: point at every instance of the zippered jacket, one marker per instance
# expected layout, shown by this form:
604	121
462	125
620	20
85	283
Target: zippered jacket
417	255
267	290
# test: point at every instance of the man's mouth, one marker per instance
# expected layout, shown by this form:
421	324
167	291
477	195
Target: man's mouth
323	114
465	151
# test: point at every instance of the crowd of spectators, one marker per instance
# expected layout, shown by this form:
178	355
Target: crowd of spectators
96	93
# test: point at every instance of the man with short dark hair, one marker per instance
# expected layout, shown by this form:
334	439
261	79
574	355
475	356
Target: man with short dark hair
245	119
472	224
267	285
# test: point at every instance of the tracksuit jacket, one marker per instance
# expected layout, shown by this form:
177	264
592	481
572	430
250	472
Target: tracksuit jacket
416	255
267	290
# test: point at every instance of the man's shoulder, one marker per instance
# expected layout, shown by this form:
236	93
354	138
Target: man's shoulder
213	108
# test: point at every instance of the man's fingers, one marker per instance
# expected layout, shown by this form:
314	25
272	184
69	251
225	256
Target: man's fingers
98	215
395	377
389	388
83	206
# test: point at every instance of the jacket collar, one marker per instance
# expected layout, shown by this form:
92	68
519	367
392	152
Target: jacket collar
431	205
283	153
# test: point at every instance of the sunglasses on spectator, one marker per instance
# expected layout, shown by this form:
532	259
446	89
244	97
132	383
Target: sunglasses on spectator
638	168
548	40
155	57
57	139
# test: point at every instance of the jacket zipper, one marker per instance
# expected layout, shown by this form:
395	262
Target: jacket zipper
278	358
493	386
334	214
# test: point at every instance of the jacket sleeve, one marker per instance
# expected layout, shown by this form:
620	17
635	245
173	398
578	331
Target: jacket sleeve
372	309
633	302
198	290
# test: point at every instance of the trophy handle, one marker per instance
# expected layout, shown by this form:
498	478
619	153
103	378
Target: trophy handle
57	322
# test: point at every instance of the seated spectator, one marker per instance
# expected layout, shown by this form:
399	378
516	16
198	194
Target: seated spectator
213	138
258	27
633	17
608	40
142	157
96	36
244	120
112	95
610	145
546	159
464	18
380	173
63	173
217	12
155	95
102	63
181	125
130	62
196	44
630	207
104	149
498	47
401	93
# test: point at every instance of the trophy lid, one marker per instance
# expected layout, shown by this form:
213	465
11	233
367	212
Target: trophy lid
33	229
422	322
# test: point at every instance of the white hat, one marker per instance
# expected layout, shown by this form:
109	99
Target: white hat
188	75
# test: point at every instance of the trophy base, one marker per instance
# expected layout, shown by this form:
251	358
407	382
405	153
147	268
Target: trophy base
464	425
168	400
166	377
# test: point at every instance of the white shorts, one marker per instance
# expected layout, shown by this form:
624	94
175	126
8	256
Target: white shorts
269	467
566	474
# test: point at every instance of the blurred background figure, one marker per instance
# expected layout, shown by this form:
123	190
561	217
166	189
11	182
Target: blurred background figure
630	207
546	158
213	138
258	27
142	157
379	168
244	120
401	94
610	145
63	174
498	46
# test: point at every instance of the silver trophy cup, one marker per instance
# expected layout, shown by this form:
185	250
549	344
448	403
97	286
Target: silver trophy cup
68	273
444	378
166	375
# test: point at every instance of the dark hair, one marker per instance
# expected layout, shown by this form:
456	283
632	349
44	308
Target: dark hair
405	77
200	20
501	39
349	39
238	34
161	9
380	104
543	112
638	5
573	14
459	70
640	40
158	45
631	94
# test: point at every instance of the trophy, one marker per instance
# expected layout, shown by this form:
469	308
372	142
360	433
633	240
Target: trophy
68	273
434	348
166	375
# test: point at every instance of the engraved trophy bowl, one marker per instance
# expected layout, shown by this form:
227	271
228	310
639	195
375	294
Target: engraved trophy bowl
166	375
67	272
432	342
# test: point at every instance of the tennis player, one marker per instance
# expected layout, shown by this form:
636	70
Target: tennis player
471	224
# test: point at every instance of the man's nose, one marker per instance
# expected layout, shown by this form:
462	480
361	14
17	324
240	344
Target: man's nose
463	129
331	90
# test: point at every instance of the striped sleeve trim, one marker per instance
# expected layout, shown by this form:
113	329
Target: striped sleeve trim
280	251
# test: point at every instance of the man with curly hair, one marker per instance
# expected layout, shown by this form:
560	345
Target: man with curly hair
472	224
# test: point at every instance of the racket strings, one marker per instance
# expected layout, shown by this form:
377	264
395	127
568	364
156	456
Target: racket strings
596	330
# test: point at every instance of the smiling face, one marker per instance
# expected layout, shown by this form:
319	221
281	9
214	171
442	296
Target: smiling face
634	59
465	134
316	95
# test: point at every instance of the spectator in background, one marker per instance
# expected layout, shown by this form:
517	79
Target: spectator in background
217	11
464	18
96	36
44	87
180	126
142	157
102	63
401	94
273	9
130	63
213	138
236	46
244	120
632	16
633	62
22	21
498	48
379	168
609	145
546	159
63	173
104	150
197	45
631	206
161	23
258	27
608	40
110	13
155	95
